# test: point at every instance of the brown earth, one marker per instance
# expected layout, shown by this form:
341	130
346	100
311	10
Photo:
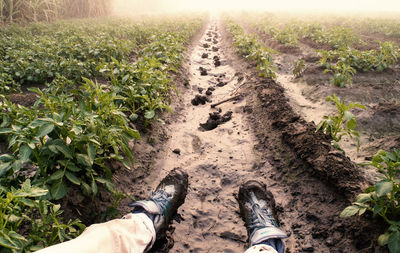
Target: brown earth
265	139
267	136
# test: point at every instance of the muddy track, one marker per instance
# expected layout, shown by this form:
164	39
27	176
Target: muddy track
258	136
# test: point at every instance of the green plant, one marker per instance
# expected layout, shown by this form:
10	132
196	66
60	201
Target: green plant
344	123
24	206
342	74
383	198
298	68
252	48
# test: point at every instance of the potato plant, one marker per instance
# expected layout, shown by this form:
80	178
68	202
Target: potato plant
78	126
382	199
344	123
250	47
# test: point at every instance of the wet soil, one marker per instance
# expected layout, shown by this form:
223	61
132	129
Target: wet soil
379	92
263	137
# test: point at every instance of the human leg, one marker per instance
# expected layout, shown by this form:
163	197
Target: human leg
135	232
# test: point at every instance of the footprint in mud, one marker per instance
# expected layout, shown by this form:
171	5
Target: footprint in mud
215	119
198	99
203	71
209	91
204	55
206	45
215	49
217	61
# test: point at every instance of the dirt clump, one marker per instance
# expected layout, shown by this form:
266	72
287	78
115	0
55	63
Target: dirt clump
204	55
27	99
215	49
199	99
209	91
217	61
203	71
215	119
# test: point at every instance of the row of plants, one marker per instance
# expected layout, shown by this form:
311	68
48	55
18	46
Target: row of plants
343	63
78	127
251	48
35	54
382	199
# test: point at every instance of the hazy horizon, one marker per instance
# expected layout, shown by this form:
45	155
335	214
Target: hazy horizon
131	7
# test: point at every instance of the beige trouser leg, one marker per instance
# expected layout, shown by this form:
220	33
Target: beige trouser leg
261	248
131	234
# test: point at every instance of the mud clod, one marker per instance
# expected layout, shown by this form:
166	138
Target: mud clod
204	55
209	91
221	84
206	45
203	71
217	61
200	100
215	49
215	119
177	151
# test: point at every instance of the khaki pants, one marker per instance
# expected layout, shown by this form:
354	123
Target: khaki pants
134	233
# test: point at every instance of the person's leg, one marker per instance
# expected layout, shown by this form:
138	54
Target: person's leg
135	232
263	231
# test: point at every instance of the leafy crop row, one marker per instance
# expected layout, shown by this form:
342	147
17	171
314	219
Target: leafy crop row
250	47
344	62
78	126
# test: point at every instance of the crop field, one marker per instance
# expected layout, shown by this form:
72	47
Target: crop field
95	111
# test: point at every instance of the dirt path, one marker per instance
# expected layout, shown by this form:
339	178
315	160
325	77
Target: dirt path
260	136
215	147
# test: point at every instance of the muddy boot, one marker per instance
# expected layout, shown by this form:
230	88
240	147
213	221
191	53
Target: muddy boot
165	201
261	225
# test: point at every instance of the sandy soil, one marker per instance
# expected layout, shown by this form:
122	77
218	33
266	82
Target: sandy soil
258	136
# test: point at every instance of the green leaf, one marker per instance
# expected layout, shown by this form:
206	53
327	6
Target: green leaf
377	209
27	202
24	153
6	131
83	159
94	187
351	124
383	188
349	211
45	129
364	197
348	116
58	190
64	149
4	168
133	116
383	239
86	189
91	152
394	242
57	175
72	178
149	114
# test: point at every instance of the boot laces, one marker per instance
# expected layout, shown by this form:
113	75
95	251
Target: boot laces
162	199
260	216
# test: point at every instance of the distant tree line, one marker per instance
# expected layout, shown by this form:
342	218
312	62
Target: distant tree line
50	10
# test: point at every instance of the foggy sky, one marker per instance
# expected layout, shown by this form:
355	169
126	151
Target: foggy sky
154	6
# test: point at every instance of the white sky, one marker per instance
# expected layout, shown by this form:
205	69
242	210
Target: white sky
286	5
